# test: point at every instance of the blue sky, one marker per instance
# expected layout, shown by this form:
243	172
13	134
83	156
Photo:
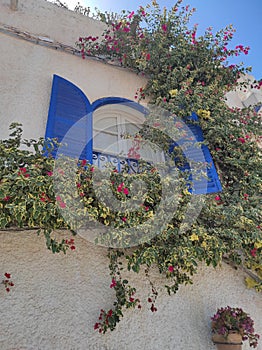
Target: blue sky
245	16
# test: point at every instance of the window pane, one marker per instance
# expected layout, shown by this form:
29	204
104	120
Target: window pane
105	142
106	124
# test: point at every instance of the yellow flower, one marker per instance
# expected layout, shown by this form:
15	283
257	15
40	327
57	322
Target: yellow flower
194	237
258	245
204	244
186	192
173	92
204	114
250	282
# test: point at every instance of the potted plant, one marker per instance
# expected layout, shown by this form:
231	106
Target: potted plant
231	326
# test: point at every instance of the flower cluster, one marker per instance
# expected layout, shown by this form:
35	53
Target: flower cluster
234	319
6	281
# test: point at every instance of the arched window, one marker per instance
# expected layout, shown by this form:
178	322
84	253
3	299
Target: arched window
98	132
116	137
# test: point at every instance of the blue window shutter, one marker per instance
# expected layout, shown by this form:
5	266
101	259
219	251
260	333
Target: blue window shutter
69	107
201	185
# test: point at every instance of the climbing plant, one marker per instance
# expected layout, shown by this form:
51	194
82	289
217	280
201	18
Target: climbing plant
186	73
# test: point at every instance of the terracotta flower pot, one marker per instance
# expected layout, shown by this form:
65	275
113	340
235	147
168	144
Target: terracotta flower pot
232	342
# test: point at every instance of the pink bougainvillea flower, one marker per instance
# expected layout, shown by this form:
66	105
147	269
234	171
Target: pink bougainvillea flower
23	170
7	198
241	139
113	283
49	173
171	268
164	27
58	198
253	252
217	198
125	191
62	204
96	326
131	15
148	56
110	313
124	219
120	187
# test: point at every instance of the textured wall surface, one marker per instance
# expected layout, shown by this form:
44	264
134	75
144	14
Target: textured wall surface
56	299
27	68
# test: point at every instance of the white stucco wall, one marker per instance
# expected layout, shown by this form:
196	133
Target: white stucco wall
27	68
57	298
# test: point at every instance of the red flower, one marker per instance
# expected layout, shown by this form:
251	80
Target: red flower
148	56
23	170
131	15
253	252
7	198
113	283
123	219
49	173
241	139
83	163
110	313
7	275
164	27
171	268
96	326
217	198
119	188
131	300
62	204
72	247
125	191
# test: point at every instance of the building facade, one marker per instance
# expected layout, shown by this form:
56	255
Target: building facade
57	298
